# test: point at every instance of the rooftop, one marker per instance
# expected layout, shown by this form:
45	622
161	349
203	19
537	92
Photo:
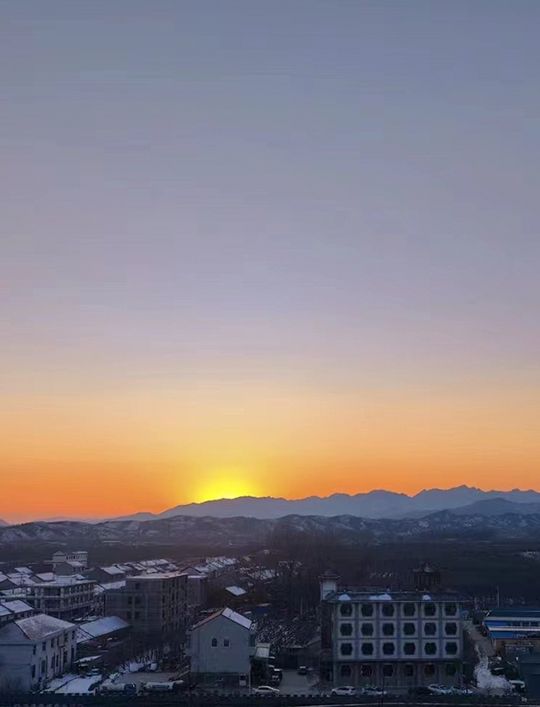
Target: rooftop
378	595
100	627
34	628
228	614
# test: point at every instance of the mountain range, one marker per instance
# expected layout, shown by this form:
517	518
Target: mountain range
488	519
374	504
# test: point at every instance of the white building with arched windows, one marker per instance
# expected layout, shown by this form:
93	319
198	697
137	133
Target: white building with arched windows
392	639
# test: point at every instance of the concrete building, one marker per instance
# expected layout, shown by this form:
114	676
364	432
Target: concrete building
152	604
396	639
80	556
222	646
514	629
13	609
64	597
34	650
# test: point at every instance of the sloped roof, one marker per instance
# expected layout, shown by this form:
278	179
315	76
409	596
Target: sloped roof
35	628
228	614
100	627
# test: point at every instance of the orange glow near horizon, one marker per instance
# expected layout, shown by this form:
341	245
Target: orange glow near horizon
108	455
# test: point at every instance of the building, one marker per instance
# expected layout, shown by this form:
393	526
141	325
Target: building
514	629
152	604
14	609
34	650
396	639
111	573
76	556
63	597
222	646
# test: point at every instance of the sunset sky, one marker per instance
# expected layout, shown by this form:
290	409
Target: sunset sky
269	248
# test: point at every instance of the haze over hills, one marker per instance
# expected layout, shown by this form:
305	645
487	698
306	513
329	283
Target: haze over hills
488	519
374	504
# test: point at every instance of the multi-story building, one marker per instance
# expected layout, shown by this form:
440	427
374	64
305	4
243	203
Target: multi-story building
395	639
152	604
14	609
80	556
34	650
64	597
222	646
514	629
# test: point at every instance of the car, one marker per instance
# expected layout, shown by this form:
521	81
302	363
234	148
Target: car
265	690
302	670
370	691
419	691
343	691
440	689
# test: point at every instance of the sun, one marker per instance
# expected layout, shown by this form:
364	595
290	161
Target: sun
226	482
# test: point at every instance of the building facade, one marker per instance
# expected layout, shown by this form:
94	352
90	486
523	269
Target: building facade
65	597
514	629
34	650
152	604
395	639
222	645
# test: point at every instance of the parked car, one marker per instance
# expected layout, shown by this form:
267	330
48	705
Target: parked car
265	690
302	670
343	691
128	688
370	691
440	689
419	691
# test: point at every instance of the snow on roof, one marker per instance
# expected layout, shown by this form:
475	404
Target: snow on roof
3	577
100	627
235	591
381	597
228	614
38	627
23	570
17	606
45	576
426	597
112	569
344	597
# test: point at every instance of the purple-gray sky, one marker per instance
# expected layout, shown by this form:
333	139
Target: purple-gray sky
324	195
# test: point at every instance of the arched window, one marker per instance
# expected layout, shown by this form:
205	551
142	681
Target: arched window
388	629
346	649
388	648
367	609
367	629
345	609
430	648
345	629
367	648
430	628
409	648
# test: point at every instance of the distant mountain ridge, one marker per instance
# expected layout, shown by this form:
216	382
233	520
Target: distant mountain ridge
488	519
373	504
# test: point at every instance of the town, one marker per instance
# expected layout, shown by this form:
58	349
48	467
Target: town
228	626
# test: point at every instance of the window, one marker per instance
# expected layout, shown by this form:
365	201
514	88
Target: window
345	629
408	670
430	609
409	648
451	648
450	669
34	650
430	628
409	609
388	629
128	615
130	601
345	671
429	669
450	609
388	610
367	629
450	628
367	609
409	629
388	648
430	648
43	646
367	648
33	671
366	671
137	615
388	670
346	649
214	643
345	609
226	643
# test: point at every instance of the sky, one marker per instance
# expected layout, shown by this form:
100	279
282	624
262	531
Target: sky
270	248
